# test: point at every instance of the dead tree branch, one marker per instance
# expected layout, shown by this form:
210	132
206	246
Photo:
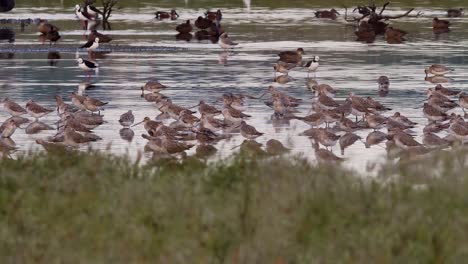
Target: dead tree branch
107	6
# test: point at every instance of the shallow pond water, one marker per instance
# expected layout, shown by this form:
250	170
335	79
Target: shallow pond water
201	70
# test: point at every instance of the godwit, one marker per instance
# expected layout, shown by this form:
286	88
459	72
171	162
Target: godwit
127	119
13	108
233	115
275	147
249	131
35	110
225	42
9	129
153	86
93	105
438	70
347	140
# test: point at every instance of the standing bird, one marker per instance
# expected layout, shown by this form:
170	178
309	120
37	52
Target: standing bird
93	105
127	119
292	56
283	67
51	36
225	42
102	37
92	11
45	27
153	86
184	27
78	101
9	129
13	108
91	45
463	101
87	65
312	65
384	85
81	14
249	131
438	70
35	110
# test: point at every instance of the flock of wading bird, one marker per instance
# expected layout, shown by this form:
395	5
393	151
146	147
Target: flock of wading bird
176	128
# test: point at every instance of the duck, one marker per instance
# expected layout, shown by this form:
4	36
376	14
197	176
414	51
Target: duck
184	27
203	23
292	56
394	36
455	12
45	27
331	14
365	32
439	24
214	16
173	15
51	36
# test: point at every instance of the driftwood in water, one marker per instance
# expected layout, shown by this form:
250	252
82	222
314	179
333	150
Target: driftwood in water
6	5
371	22
107	11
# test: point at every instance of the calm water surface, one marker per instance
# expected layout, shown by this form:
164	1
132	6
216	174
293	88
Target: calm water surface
201	70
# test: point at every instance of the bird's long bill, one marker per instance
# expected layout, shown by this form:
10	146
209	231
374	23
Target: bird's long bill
138	123
233	148
261	96
194	106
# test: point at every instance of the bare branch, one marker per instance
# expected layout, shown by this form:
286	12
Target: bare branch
383	8
399	16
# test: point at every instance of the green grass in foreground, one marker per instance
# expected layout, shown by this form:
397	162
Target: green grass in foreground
95	208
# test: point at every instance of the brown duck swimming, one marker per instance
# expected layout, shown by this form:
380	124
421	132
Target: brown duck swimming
214	16
440	26
331	14
394	36
165	15
203	23
184	27
365	32
292	56
455	12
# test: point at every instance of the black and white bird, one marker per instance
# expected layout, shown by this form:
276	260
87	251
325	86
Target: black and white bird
83	16
312	65
92	10
87	65
91	45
